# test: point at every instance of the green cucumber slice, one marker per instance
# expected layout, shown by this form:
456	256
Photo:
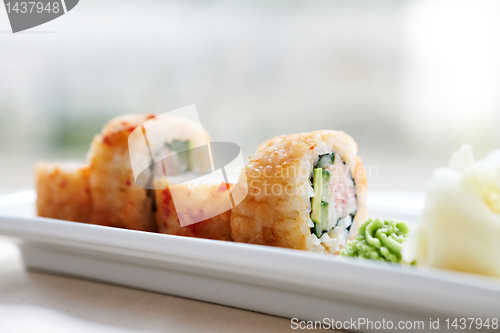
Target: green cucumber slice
319	203
317	230
321	186
316	200
325	160
325	183
324	215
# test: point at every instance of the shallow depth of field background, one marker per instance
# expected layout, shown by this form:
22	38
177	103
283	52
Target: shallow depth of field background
409	80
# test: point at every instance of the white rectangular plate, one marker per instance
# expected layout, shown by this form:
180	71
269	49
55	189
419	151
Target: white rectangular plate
281	282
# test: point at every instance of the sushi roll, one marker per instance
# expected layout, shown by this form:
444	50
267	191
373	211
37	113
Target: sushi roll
117	201
210	196
169	146
129	154
63	191
305	191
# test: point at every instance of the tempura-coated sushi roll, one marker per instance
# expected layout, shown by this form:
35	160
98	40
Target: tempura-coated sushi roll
126	157
117	200
189	196
305	191
63	191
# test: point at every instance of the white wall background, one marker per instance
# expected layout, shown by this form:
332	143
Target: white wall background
409	80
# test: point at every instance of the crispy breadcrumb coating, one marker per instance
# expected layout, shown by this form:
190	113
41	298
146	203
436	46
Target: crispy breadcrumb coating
116	199
277	208
63	191
210	196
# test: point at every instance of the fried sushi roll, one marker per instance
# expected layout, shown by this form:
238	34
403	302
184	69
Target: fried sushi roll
63	191
188	196
117	201
127	156
305	191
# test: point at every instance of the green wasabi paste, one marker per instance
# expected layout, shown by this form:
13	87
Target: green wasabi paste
378	240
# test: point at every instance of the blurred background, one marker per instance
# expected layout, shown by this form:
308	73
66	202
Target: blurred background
410	80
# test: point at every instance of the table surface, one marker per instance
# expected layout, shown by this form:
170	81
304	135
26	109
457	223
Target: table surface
38	301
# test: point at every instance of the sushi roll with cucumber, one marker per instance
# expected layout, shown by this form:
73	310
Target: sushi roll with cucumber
305	191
